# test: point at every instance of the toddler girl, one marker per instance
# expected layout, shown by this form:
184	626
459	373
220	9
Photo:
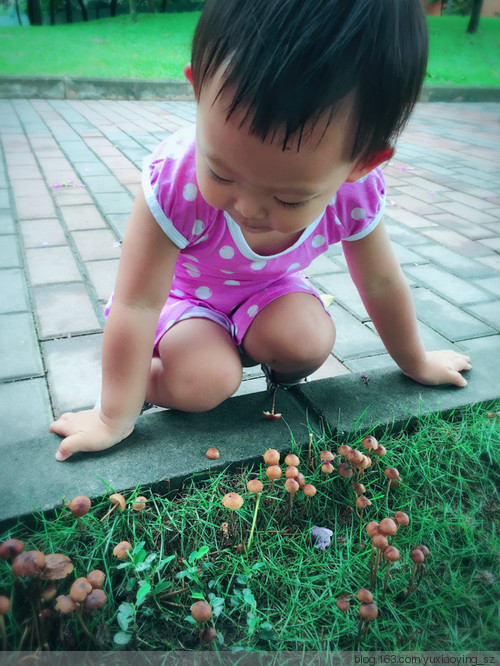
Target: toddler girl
299	102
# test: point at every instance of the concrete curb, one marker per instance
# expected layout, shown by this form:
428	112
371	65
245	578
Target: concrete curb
76	87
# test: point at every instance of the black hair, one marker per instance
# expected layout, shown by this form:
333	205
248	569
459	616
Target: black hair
287	63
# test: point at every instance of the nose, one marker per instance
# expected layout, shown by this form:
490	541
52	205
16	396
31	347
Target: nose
249	207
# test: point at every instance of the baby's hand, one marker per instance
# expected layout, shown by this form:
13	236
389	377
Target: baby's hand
441	367
85	431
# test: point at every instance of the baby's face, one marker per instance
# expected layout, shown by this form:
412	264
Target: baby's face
263	188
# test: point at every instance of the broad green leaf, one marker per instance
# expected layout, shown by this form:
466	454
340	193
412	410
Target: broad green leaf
122	638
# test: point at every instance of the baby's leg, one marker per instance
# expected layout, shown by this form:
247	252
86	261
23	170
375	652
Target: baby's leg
293	335
198	368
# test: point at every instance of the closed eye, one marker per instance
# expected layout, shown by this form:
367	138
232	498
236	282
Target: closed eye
218	178
289	204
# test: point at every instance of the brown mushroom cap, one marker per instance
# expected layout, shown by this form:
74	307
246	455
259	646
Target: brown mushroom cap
4	605
201	611
255	486
369	442
343	604
372	528
301	479
327	468
380	450
28	563
292	460
291	472
95	599
368	611
48	593
232	501
326	455
274	472
424	550
271	457
388	527
391	473
365	463
120	550
391	554
209	634
362	502
80	589
345	470
118	500
292	486
380	541
11	548
344	449
309	490
355	456
57	566
79	506
402	518
212	454
364	595
96	578
139	504
417	556
358	488
65	604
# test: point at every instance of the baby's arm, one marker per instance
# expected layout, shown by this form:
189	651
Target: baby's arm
144	278
386	295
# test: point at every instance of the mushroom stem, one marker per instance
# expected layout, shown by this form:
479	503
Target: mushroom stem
375	568
386	579
252	529
309	450
416	567
304	507
109	512
387	490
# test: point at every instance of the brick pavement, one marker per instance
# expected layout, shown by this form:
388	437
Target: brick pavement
69	171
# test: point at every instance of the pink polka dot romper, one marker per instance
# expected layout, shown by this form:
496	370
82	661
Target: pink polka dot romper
217	275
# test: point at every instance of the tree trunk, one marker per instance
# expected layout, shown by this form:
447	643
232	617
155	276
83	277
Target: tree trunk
151	6
163	6
52	11
83	9
477	5
113	7
34	12
69	11
133	10
18	13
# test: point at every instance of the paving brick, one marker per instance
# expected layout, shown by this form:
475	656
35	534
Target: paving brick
408	218
82	217
112	204
92	168
491	284
4	199
493	261
74	366
488	312
353	337
51	264
33	188
15	397
322	264
464	227
29	208
414	205
452	288
341	286
99	244
464	211
103	276
42	233
447	319
119	223
9	252
19	347
64	309
458	243
401	234
453	262
367	364
13	293
72	196
492	243
103	184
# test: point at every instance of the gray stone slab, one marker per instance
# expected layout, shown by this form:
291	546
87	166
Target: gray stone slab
52	264
390	401
112	204
97	244
64	309
488	312
6	222
353	338
453	262
165	447
9	252
19	347
13	295
447	319
342	287
454	289
18	424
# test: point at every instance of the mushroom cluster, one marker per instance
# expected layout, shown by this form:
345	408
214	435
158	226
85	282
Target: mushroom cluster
380	533
354	460
418	555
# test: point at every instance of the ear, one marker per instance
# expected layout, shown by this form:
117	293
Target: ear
370	163
189	76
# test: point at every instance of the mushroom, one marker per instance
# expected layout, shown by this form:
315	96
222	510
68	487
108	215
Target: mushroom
96	578
379	541
393	475
79	506
4	608
57	566
292	472
273	472
388	527
327	468
309	491
95	599
140	504
271	416
368	612
391	554
362	502
344	449
209	635
201	611
345	470
120	550
364	595
309	448
11	549
28	563
369	443
417	558
358	488
355	457
212	454
379	452
271	457
65	604
118	501
292	486
292	460
301	479
254	486
48	593
80	589
233	502
326	456
343	605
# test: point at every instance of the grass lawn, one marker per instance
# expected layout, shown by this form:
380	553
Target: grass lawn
281	593
158	46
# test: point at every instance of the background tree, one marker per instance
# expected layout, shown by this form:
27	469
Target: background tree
477	6
34	12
